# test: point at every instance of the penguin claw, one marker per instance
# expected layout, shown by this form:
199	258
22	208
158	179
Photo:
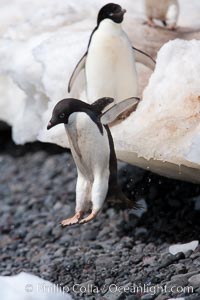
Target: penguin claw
150	23
71	221
172	27
88	218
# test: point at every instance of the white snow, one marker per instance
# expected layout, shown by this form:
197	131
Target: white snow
174	249
177	298
38	52
41	42
26	286
166	125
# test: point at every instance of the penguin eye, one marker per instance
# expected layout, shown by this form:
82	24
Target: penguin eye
61	116
114	11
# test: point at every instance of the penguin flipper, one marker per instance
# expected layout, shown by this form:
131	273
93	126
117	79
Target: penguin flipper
101	103
144	58
80	65
111	114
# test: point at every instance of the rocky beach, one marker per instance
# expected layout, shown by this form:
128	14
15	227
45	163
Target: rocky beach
103	259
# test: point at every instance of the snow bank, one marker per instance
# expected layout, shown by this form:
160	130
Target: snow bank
165	128
174	249
38	52
26	286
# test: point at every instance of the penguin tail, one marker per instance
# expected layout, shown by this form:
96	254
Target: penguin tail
120	201
164	23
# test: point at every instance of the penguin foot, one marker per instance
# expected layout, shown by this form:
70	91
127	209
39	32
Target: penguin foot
88	218
151	23
171	27
73	220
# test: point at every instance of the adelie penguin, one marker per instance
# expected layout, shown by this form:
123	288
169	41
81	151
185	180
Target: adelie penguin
167	11
93	151
109	61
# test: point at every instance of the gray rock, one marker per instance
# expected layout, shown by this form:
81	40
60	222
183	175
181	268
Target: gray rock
88	287
65	239
168	259
140	231
162	297
195	255
195	281
187	275
113	295
131	297
188	253
176	283
143	208
149	261
109	250
103	260
108	281
148	297
180	268
198	291
6	273
197	203
60	252
89	235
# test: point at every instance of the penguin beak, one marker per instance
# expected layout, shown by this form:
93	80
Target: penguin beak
50	125
123	11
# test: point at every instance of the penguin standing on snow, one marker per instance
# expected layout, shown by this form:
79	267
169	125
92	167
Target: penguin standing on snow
93	151
166	11
109	61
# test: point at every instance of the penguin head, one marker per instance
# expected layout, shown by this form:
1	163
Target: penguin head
111	11
64	109
60	113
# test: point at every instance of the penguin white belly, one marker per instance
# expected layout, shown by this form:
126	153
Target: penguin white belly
90	149
110	65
